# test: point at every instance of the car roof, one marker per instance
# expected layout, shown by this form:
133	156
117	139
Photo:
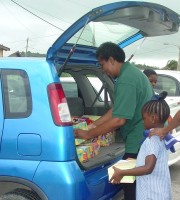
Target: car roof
22	62
175	74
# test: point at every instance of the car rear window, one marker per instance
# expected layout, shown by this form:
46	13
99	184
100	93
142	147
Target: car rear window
16	94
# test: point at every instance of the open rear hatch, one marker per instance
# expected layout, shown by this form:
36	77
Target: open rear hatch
122	23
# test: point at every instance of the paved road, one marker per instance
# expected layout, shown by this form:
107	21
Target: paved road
175	179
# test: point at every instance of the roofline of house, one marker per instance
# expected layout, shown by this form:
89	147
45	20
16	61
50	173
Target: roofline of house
4	48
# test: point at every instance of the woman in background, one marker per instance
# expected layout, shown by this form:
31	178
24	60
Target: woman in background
152	76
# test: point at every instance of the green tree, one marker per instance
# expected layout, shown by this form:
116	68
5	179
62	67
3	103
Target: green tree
171	65
143	67
31	54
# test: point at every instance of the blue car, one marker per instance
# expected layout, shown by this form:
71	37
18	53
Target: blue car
39	99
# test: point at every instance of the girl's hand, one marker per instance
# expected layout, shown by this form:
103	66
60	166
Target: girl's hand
117	176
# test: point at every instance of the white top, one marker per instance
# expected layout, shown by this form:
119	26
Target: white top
157	185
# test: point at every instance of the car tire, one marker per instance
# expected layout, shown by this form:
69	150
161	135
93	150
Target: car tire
20	194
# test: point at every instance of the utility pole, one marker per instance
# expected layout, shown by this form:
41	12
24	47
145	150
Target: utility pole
27	46
178	64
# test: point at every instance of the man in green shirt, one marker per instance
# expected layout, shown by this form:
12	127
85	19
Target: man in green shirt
132	90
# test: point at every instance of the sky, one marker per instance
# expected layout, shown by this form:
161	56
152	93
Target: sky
21	29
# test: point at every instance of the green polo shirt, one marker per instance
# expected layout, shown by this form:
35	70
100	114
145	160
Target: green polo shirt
132	90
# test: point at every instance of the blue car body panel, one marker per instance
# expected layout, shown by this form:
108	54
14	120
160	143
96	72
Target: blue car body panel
52	156
64	149
73	182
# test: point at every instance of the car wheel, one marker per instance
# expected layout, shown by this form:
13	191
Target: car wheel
20	194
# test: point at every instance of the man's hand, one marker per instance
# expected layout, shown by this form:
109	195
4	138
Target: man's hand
91	126
81	134
117	176
159	132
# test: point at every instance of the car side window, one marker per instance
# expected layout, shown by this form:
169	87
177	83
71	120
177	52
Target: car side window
98	87
17	94
166	83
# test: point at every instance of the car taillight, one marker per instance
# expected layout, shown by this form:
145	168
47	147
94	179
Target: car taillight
58	104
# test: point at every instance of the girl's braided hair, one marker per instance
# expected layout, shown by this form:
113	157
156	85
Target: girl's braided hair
157	105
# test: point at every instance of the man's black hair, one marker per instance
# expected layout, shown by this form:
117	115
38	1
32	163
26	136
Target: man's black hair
109	49
149	72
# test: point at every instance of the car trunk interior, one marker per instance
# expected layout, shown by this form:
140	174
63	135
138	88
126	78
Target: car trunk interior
89	92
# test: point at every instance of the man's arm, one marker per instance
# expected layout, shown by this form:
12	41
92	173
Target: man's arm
162	132
150	162
103	128
107	116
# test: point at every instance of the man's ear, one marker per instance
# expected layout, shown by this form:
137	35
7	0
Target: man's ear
111	59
